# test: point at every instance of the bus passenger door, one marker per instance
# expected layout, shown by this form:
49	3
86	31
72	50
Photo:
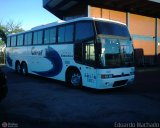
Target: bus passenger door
89	64
78	53
84	54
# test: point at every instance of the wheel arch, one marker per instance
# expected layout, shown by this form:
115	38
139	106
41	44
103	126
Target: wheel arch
71	69
16	62
24	62
24	72
20	62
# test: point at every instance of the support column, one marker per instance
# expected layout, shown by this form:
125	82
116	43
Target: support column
89	11
128	20
156	41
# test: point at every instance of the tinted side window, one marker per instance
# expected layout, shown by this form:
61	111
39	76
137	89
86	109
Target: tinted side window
8	41
37	38
46	36
50	36
19	40
84	30
28	39
40	36
108	28
13	41
78	52
69	33
61	33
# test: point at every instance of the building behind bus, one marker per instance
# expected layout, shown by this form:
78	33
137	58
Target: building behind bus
141	16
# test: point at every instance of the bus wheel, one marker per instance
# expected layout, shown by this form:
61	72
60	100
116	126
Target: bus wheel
18	68
75	79
24	69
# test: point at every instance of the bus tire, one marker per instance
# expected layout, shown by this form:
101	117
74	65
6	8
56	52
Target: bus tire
18	67
74	79
24	69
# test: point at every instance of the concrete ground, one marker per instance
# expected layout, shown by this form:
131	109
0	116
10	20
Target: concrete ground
36	102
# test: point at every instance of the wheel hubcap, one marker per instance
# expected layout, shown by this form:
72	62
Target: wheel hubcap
76	79
24	71
18	68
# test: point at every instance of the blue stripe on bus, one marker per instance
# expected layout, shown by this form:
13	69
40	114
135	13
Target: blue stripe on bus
9	60
56	61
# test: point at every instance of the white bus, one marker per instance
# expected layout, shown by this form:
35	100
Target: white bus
91	52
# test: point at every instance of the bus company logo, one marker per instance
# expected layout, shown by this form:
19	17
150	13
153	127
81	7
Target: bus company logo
36	52
4	125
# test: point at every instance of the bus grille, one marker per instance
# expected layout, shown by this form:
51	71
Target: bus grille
120	75
119	83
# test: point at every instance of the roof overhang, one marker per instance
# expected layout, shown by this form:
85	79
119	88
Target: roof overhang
143	7
155	1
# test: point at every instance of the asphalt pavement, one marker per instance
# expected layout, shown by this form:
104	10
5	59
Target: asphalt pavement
36	102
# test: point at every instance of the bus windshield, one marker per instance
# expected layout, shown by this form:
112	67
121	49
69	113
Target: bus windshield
110	28
116	45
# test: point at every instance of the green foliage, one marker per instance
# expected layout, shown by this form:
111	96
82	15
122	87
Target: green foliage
2	36
8	28
1	42
12	27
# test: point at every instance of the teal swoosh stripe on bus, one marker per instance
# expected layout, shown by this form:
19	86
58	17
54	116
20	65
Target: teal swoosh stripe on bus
56	61
9	60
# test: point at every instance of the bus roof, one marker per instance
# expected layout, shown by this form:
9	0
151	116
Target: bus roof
60	22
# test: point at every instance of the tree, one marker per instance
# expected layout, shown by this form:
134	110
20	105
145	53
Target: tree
13	27
8	28
2	37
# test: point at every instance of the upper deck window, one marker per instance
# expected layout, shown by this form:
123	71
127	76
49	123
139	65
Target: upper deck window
8	41
65	33
37	39
61	33
28	39
50	36
13	41
84	30
109	28
69	33
19	40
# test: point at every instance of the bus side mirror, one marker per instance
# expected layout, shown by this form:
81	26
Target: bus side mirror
98	47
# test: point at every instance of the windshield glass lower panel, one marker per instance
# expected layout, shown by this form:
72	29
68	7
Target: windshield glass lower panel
115	52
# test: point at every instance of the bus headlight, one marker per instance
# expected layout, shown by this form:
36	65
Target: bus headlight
105	76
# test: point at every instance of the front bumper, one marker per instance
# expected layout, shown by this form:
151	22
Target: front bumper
115	82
